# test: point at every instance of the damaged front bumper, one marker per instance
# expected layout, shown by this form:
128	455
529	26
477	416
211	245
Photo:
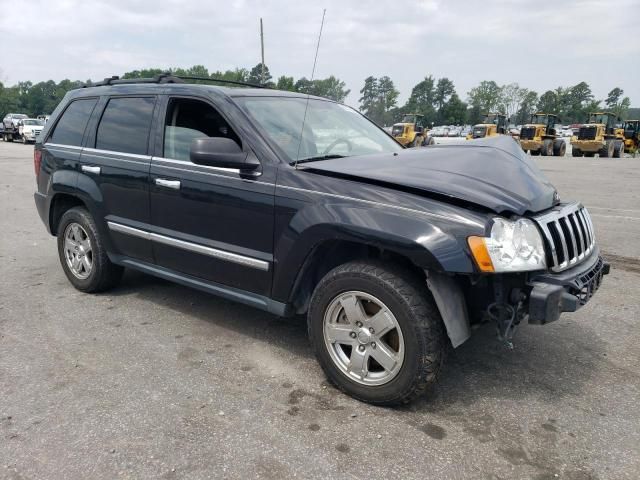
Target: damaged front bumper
554	293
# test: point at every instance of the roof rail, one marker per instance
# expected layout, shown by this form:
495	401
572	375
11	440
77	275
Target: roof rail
167	77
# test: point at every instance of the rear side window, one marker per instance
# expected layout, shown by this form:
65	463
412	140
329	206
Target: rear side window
125	125
70	128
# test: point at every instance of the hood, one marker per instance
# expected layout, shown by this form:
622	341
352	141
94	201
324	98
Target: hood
493	173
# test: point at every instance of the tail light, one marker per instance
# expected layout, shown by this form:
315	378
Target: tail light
37	160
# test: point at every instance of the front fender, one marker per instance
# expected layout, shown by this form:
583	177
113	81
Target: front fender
430	243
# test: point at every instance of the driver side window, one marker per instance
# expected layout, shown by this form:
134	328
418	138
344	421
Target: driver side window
188	119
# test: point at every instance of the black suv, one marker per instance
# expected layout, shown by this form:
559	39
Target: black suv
300	205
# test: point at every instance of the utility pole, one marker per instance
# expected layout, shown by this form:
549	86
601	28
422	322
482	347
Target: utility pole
262	53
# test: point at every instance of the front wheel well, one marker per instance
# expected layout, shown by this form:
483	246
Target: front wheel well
330	254
59	205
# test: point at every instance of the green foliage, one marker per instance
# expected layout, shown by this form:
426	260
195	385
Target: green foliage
618	104
486	97
43	97
255	75
379	99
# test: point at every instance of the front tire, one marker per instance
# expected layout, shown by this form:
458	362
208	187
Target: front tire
83	255
377	332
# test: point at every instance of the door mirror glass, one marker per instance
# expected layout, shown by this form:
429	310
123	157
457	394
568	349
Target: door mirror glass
220	152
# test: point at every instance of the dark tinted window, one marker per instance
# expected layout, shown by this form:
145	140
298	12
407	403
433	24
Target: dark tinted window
125	124
190	119
70	129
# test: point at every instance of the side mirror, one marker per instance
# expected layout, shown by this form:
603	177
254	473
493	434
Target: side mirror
221	152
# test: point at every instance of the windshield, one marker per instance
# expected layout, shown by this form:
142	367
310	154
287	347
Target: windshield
408	119
599	118
32	122
491	119
330	129
539	119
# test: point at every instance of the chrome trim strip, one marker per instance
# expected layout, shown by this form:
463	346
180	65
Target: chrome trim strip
118	227
192	247
196	170
119	154
60	145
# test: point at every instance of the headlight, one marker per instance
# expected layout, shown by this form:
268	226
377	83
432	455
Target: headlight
512	247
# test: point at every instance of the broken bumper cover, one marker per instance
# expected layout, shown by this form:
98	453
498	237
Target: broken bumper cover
567	291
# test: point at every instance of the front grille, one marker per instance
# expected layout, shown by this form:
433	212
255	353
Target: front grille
587	133
527	133
569	235
479	132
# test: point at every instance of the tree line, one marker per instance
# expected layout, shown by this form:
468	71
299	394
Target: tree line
440	104
435	98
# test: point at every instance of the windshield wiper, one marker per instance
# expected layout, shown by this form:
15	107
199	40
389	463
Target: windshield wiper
319	157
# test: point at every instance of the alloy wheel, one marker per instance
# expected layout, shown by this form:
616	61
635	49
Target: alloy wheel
78	251
363	338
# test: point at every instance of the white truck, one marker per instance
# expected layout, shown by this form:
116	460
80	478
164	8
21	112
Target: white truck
29	129
11	123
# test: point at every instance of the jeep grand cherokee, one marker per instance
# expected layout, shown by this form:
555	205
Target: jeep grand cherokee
300	205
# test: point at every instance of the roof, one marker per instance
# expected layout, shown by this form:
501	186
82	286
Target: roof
154	88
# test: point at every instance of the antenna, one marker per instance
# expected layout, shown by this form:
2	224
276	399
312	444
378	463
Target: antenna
261	54
313	72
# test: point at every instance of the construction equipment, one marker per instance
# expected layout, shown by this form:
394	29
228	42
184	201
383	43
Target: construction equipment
492	125
411	131
540	136
599	135
631	136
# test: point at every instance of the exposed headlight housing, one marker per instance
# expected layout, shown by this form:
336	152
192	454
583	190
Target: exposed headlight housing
514	246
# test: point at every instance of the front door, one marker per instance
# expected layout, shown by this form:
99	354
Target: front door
211	223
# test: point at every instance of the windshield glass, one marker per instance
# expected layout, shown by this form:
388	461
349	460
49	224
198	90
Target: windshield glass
408	119
32	122
491	119
329	129
539	119
598	118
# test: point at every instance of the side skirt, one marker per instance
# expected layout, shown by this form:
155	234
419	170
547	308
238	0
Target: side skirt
241	296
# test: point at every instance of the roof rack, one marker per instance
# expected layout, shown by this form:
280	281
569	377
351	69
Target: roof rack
167	77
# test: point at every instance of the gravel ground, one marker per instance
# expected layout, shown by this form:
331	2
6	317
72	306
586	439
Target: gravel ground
153	380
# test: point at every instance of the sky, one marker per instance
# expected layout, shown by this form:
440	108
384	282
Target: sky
539	45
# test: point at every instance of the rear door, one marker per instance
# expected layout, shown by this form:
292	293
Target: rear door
210	223
116	160
61	151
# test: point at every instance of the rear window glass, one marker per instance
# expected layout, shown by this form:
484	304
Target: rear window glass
125	125
70	128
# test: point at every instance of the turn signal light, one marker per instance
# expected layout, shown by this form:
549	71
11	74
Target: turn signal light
480	254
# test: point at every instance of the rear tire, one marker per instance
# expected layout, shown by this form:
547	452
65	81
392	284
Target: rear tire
575	152
618	151
547	148
412	351
589	154
83	255
559	148
607	150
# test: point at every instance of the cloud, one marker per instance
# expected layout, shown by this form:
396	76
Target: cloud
540	46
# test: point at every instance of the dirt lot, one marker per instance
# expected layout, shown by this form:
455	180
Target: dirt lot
154	380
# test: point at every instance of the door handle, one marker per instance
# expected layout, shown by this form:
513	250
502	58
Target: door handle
90	169
173	184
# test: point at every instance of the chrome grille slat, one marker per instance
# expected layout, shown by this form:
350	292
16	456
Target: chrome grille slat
568	231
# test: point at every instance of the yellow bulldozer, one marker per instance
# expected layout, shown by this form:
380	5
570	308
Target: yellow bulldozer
492	125
599	135
411	131
631	136
540	137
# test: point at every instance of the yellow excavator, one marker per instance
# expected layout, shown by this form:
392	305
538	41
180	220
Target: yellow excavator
599	135
492	125
540	136
411	131
631	136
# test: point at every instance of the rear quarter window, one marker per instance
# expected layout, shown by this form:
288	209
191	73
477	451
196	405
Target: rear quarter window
125	125
70	128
